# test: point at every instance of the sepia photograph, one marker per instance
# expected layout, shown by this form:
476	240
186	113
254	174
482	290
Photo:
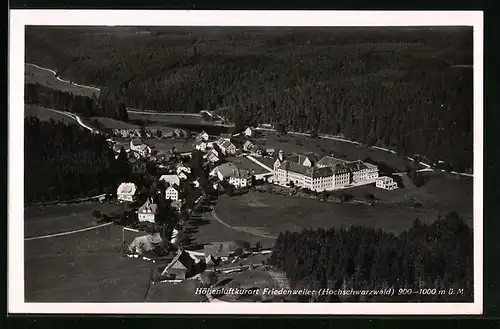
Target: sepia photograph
310	166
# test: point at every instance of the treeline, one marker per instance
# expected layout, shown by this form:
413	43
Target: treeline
64	162
86	106
438	256
392	87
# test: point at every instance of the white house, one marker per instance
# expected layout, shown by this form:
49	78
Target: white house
249	131
172	193
240	178
202	136
212	156
196	183
386	183
126	192
171	179
148	212
182	175
226	146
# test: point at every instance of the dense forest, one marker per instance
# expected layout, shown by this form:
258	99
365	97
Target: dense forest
438	256
63	162
55	99
406	88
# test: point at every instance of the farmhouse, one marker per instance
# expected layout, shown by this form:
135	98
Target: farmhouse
145	243
181	267
240	178
304	170
248	146
172	193
226	146
148	212
203	136
138	146
171	179
211	156
386	183
126	192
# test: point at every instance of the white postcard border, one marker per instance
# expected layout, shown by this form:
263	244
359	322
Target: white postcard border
20	18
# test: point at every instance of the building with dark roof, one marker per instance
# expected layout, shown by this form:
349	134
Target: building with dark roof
329	173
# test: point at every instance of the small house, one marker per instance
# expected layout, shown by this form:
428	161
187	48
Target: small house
148	212
270	152
249	131
182	175
172	193
138	166
203	136
126	192
181	267
248	146
183	168
226	147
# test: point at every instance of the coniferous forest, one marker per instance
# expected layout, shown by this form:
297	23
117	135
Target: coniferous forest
405	88
436	256
64	162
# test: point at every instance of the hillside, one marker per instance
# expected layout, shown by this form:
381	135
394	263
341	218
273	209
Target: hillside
397	87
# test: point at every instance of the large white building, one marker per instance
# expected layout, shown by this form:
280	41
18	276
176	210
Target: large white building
329	173
171	179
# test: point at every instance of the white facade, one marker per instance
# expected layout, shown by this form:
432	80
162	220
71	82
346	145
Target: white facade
172	193
148	212
248	131
240	181
386	183
126	192
182	175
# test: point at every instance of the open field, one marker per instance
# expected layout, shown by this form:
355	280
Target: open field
84	267
46	114
348	151
443	193
36	75
207	230
247	164
275	213
41	220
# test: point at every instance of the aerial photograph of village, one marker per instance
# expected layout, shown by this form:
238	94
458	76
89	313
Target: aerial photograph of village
248	164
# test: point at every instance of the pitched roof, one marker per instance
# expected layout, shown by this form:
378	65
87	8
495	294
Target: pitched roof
170	179
329	161
224	143
356	165
301	157
247	144
314	172
127	188
173	186
182	260
148	208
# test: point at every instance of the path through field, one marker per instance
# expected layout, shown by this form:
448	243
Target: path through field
249	230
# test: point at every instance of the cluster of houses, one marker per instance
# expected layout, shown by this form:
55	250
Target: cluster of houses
150	133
